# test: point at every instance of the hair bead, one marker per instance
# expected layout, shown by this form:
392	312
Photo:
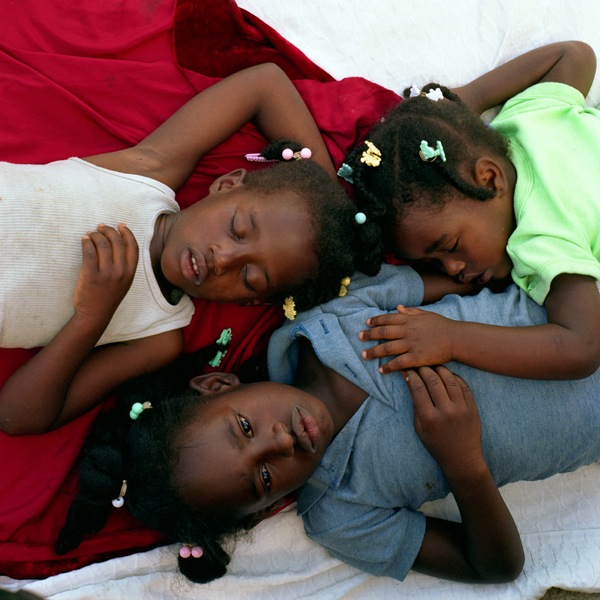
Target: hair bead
120	500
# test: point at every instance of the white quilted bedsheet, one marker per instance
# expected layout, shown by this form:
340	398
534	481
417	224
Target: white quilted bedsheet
395	43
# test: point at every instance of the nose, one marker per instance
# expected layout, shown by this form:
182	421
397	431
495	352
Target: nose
453	266
224	259
280	442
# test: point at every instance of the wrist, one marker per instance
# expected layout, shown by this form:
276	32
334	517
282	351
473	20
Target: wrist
469	475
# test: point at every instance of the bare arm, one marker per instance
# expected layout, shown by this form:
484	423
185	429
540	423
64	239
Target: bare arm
486	545
573	63
69	376
263	94
568	347
437	285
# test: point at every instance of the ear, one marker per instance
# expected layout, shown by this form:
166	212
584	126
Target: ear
228	181
214	382
489	173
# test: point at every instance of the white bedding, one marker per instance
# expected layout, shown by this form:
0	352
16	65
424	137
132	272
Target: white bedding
396	43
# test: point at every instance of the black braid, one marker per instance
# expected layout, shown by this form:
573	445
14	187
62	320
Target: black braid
143	452
403	178
342	246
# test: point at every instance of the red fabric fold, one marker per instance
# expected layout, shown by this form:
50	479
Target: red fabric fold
88	77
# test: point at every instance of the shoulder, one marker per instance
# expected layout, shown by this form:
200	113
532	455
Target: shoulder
544	95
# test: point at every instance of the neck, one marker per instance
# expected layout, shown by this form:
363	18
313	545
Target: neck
157	244
341	397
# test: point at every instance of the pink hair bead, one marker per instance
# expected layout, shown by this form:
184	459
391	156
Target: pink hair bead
186	551
305	153
287	154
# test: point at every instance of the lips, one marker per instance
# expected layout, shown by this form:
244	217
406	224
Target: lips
480	279
305	429
193	266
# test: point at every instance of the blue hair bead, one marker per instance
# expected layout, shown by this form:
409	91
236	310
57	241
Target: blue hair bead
360	218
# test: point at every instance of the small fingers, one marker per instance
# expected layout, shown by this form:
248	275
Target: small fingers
131	245
387	348
88	252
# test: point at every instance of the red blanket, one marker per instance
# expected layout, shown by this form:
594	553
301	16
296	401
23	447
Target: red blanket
78	78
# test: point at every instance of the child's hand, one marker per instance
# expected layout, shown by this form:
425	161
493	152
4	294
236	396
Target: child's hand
446	419
416	337
109	261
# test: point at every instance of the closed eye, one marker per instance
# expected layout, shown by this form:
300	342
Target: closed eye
246	282
232	229
453	249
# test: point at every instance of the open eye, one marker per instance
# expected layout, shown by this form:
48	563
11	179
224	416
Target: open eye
245	426
265	476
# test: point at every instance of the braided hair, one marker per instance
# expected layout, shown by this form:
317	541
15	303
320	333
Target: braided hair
342	246
403	177
144	452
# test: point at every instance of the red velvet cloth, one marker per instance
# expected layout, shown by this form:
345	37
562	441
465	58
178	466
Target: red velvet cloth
84	77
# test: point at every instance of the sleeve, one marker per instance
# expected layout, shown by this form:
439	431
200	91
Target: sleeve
393	285
561	254
379	541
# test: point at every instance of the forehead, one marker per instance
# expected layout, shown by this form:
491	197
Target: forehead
427	226
206	471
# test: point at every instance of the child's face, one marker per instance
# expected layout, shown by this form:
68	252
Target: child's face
467	238
239	246
252	446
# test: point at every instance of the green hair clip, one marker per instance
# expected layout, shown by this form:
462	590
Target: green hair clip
429	154
222	342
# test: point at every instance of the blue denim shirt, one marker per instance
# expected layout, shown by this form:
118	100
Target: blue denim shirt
362	503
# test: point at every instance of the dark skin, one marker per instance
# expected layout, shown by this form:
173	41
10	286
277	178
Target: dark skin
486	546
268	450
568	347
70	375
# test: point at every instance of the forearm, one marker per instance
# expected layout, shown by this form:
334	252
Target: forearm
438	285
285	115
492	545
262	94
568	62
32	399
546	351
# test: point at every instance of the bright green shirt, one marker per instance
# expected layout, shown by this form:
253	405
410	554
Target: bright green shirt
555	148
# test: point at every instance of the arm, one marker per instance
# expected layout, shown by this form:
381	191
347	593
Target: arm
568	347
69	376
437	285
262	94
573	63
486	545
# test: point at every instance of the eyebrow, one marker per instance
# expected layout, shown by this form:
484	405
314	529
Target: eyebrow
236	442
436	245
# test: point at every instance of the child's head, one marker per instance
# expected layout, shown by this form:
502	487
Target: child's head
443	187
258	237
202	464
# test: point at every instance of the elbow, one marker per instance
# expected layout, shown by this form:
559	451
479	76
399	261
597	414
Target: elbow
583	51
15	429
506	570
509	572
586	361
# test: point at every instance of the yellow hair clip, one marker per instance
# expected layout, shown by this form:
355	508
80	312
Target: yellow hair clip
344	283
371	156
289	308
